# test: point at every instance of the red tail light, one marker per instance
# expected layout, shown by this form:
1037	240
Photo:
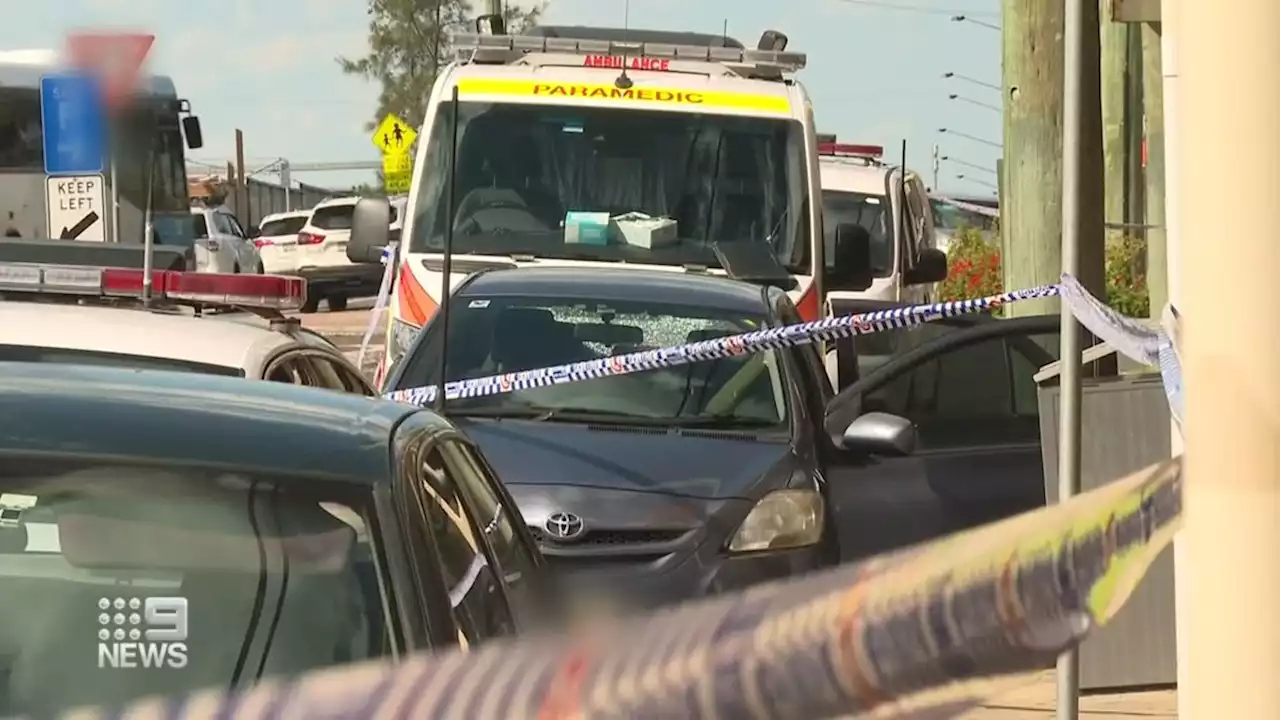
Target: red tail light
260	243
310	238
250	291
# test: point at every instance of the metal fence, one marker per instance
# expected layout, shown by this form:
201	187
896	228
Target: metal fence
260	198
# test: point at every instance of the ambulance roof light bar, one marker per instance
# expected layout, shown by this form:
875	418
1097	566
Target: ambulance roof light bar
487	48
268	293
835	149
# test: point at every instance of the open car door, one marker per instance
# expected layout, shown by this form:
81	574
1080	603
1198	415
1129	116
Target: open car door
968	386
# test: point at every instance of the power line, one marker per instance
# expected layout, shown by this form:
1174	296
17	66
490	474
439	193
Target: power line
920	9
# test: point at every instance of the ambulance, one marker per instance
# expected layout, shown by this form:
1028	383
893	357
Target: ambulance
892	203
591	147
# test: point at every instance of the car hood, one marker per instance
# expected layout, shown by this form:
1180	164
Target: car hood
700	464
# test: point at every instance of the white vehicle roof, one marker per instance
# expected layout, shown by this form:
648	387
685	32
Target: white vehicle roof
848	177
124	331
283	216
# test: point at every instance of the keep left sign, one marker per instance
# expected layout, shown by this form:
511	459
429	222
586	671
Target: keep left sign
76	205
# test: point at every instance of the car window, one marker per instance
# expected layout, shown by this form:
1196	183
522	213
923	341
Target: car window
324	371
200	225
817	385
507	335
869	211
920	217
220	223
979	393
283	226
234	224
229	562
473	586
296	369
351	381
516	557
333	217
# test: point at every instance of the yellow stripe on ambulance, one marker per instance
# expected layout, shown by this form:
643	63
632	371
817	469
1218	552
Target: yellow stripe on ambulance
647	96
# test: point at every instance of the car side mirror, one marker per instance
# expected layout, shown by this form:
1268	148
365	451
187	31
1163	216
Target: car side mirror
851	259
191	129
254	232
878	433
930	267
370	226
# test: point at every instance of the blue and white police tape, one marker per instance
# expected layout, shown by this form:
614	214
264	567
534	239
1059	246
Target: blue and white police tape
1133	339
380	304
773	338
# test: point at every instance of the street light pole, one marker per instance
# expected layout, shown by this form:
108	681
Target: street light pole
980	23
1228	94
968	164
962	98
961	176
972	81
957	133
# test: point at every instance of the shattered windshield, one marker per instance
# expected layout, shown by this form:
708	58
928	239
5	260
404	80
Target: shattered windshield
610	184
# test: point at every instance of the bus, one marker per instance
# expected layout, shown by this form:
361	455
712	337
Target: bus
147	149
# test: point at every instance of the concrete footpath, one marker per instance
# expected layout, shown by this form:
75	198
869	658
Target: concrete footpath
1035	700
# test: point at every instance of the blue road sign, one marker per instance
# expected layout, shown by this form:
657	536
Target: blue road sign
74	124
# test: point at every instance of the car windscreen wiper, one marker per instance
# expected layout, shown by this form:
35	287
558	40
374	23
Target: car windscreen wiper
724	422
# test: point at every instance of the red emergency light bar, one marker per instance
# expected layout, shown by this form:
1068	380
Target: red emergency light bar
834	149
267	292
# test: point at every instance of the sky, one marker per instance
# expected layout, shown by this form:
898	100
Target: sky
875	70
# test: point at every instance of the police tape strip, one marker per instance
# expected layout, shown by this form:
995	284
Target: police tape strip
773	338
379	305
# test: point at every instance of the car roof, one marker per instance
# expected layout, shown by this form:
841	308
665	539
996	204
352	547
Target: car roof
336	201
850	177
131	331
621	285
282	215
198	419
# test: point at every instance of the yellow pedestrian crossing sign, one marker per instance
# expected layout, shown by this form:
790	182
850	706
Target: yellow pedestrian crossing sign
397	171
400	163
393	136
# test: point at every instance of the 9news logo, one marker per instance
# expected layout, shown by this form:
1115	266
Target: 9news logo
137	633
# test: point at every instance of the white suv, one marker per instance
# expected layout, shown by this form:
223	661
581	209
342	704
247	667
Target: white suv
277	240
222	246
322	255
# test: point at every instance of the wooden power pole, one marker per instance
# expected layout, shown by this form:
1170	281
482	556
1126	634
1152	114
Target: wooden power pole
1153	137
1115	70
1031	207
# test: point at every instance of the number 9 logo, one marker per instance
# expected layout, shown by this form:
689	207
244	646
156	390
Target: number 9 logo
166	619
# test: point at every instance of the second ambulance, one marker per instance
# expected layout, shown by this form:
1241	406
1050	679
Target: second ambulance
647	148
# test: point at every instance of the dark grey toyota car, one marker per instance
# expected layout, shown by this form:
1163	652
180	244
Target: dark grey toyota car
665	484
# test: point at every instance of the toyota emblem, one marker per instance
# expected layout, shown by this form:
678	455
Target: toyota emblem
564	526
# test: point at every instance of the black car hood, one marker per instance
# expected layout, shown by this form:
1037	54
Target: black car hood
701	465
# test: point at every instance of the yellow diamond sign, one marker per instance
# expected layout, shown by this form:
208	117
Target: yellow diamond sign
393	136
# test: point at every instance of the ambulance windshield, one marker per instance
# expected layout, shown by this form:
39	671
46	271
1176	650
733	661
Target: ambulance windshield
547	180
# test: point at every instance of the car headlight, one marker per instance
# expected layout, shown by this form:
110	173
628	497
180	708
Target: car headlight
783	519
